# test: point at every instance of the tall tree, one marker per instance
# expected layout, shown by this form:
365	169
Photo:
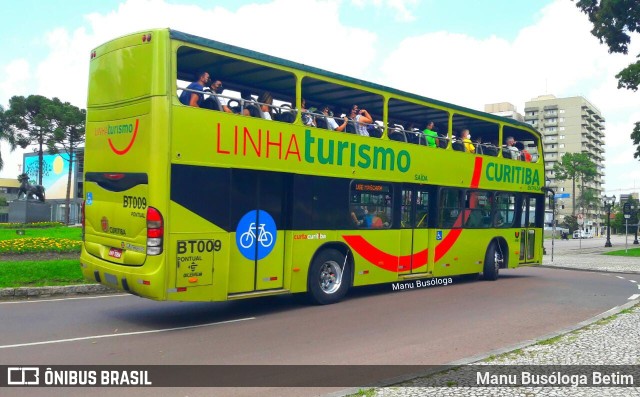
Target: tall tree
589	200
32	119
68	135
6	133
577	167
613	22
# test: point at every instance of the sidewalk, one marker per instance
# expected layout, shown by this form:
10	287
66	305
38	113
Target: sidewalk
614	341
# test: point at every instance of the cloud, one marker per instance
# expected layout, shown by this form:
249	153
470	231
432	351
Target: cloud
16	80
401	8
311	34
554	55
557	55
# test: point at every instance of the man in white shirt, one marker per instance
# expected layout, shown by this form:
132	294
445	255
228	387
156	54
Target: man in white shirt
331	122
515	153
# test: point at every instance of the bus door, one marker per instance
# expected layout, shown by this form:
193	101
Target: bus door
257	203
414	235
528	237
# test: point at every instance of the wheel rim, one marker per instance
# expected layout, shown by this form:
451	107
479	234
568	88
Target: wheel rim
497	261
330	277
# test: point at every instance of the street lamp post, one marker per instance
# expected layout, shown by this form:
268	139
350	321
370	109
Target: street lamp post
552	205
608	203
634	213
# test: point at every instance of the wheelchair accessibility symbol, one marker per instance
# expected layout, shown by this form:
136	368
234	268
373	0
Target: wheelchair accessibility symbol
438	234
256	234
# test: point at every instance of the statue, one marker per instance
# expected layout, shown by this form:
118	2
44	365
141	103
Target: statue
30	191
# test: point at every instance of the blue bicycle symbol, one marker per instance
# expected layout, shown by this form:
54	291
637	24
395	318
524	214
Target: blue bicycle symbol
256	234
265	238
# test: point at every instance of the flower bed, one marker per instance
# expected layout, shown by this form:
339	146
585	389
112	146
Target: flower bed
39	244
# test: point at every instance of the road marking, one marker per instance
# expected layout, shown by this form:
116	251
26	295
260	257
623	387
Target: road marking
66	299
633	297
153	331
620	277
633	281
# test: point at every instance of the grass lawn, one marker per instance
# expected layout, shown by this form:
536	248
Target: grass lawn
40	273
631	252
71	233
27	259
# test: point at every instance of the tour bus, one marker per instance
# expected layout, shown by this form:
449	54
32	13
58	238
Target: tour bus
248	198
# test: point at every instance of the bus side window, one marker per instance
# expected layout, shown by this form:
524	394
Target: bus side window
370	205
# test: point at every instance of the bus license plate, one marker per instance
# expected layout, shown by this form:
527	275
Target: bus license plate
115	253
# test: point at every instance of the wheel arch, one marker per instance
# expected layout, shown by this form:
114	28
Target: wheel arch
503	247
340	247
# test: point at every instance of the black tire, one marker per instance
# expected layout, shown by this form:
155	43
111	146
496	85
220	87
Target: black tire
493	260
329	277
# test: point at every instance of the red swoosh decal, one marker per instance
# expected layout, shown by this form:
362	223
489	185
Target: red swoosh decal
390	262
382	259
477	171
125	150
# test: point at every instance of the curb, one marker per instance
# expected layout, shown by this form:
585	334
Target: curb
66	290
590	270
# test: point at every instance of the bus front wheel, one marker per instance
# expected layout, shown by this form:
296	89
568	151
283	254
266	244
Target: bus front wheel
493	261
329	277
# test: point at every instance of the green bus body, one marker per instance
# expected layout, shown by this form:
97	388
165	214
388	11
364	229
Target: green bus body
207	174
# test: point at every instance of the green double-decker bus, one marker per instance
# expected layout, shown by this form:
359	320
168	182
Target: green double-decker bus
245	192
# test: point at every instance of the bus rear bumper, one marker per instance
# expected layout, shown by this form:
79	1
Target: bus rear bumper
136	280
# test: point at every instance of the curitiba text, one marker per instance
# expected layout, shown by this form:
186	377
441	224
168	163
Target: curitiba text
507	173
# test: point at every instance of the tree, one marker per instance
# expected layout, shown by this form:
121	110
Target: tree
589	200
6	133
32	121
67	137
570	222
579	168
613	21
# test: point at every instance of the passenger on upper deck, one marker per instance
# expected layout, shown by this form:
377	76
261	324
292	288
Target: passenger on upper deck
430	135
331	122
511	146
214	102
524	153
190	98
466	140
361	118
265	101
307	118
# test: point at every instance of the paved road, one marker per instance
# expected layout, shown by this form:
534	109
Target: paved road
615	341
373	326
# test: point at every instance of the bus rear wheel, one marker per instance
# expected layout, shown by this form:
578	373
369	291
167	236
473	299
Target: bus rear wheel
329	277
493	261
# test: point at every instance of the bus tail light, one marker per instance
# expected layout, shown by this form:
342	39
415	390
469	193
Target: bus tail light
155	231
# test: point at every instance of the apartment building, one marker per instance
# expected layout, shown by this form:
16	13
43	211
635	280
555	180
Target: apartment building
570	125
504	109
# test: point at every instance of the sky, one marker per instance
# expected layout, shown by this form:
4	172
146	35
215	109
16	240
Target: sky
460	51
